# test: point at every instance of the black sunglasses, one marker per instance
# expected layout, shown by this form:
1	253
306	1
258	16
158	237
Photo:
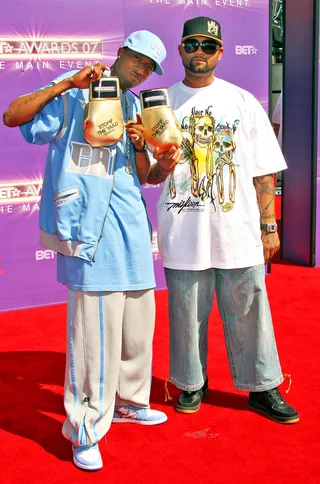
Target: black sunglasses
208	47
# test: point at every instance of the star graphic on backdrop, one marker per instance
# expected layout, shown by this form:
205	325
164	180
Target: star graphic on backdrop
254	50
15	193
8	48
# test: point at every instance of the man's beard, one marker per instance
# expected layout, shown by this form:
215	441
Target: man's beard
198	69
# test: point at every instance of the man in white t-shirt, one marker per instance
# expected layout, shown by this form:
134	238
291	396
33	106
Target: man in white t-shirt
217	227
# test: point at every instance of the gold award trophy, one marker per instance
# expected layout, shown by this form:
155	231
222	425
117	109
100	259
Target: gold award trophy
103	120
161	129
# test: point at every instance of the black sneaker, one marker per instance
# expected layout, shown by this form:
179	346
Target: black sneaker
274	405
189	402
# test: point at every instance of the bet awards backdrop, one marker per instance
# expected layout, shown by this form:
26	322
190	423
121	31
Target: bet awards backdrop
39	42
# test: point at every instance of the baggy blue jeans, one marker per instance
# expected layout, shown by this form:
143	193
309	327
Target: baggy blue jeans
244	308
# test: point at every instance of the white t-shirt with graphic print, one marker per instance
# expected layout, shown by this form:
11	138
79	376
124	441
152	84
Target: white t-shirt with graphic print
208	215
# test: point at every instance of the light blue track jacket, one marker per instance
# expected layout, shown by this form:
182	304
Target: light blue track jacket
91	209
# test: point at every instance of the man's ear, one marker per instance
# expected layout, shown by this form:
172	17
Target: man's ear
120	51
221	50
180	49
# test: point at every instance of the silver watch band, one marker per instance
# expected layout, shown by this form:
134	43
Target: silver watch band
269	227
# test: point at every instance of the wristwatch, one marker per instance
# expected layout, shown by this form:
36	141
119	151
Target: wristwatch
269	227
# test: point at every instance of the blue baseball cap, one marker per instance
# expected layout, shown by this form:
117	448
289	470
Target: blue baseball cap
148	44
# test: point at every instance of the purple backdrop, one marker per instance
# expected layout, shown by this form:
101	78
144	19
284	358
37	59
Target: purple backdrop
38	44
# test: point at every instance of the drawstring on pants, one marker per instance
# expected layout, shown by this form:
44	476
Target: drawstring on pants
167	395
286	375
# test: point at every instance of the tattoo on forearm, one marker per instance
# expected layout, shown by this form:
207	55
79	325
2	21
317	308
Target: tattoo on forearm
268	216
268	204
264	186
49	98
51	95
157	175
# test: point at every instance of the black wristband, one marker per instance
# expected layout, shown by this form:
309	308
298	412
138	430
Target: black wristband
143	150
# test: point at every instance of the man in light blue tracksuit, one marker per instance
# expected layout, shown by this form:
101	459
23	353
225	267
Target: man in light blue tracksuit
92	214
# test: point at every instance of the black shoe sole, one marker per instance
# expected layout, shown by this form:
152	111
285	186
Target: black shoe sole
194	409
283	420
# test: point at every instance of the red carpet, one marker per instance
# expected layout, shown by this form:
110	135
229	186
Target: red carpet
223	443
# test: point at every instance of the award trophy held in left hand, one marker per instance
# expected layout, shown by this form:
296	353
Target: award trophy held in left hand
161	129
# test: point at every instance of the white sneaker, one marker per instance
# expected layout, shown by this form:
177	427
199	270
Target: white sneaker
137	415
87	457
